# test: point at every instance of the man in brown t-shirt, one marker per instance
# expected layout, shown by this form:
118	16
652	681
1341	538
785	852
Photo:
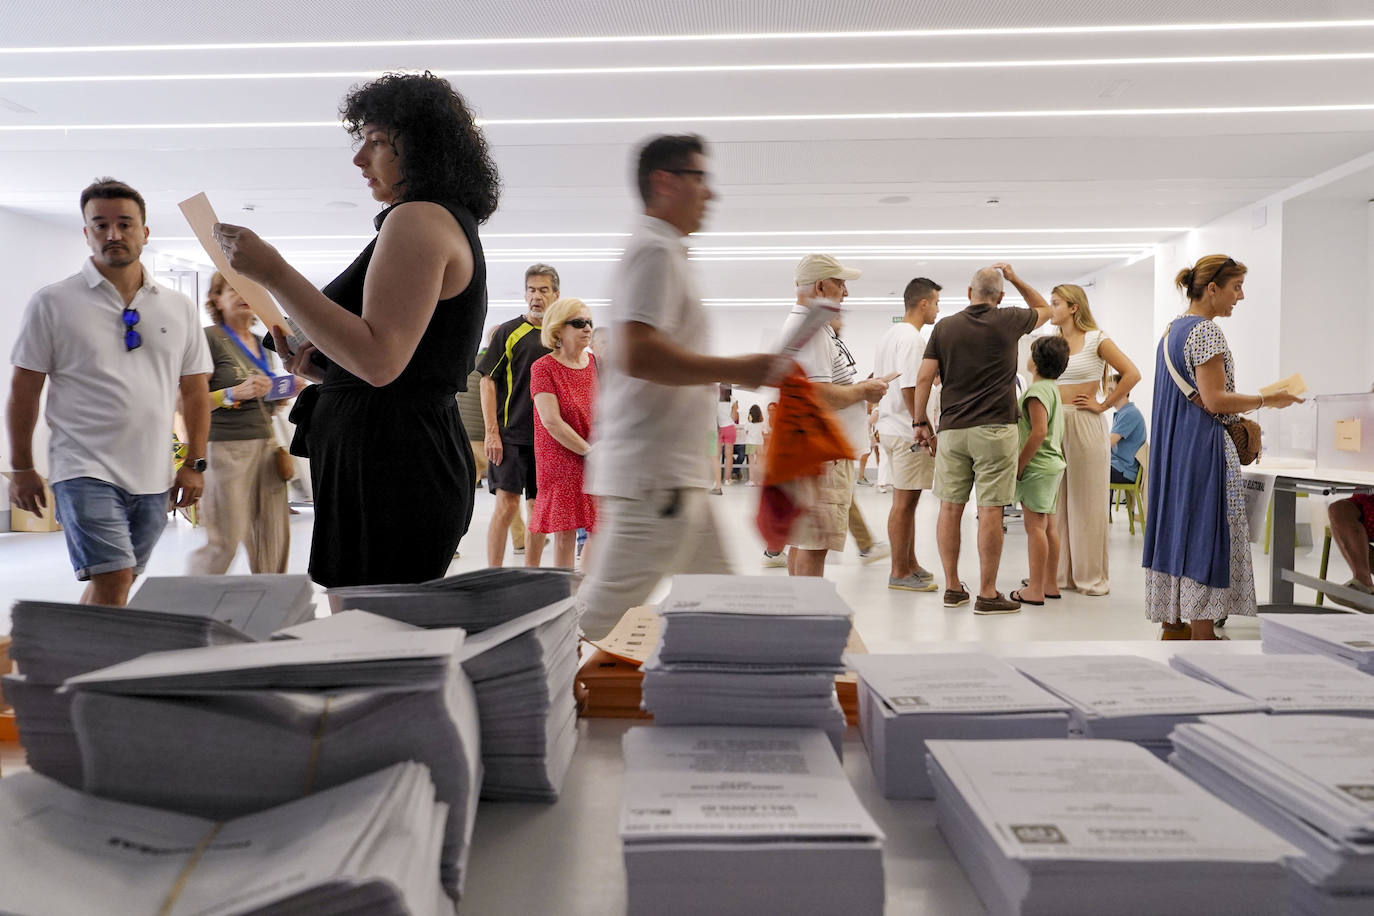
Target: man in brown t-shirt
974	354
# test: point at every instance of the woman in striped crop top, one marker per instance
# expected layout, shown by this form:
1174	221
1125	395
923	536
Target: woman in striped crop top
1082	508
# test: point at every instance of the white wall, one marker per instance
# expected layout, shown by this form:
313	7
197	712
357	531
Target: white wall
1122	301
32	255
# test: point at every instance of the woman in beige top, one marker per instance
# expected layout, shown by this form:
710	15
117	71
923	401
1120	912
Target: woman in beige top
1082	508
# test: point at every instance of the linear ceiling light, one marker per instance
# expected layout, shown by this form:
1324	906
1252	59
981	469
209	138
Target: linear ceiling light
712	68
727	37
771	233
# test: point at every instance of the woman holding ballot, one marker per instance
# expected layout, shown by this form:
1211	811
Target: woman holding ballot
245	498
391	466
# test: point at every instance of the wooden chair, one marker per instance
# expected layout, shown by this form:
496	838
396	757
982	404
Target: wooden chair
1132	493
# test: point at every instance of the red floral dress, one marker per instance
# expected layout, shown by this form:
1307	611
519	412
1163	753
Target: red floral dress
560	504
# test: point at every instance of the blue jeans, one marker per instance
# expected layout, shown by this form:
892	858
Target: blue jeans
107	528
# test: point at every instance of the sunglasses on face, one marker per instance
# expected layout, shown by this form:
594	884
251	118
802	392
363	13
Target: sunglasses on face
132	339
579	323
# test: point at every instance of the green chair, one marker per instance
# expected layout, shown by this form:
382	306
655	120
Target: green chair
1326	560
1132	493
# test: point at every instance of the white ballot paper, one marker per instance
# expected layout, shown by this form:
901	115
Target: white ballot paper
744	821
1348	638
1286	683
1071	827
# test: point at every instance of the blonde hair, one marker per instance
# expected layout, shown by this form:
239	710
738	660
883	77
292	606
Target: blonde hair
555	317
217	285
1211	269
1074	295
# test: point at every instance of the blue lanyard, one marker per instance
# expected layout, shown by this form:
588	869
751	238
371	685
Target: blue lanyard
259	361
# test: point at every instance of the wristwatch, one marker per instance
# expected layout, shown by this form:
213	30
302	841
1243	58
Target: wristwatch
918	423
196	464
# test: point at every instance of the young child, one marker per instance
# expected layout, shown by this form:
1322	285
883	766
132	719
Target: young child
1040	466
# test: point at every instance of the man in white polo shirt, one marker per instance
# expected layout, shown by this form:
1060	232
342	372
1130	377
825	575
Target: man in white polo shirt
117	349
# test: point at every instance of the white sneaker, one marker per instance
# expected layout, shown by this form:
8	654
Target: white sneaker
877	552
775	560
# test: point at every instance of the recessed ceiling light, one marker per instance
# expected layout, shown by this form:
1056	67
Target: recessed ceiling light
894	199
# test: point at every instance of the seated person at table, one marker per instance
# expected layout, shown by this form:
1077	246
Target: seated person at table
1128	435
1352	528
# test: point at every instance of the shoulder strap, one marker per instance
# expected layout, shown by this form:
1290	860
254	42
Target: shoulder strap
1189	390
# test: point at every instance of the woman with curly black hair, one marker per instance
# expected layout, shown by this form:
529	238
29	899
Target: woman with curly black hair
396	334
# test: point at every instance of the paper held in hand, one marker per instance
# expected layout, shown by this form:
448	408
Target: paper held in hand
1294	385
201	215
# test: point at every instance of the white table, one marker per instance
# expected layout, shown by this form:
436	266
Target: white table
566	859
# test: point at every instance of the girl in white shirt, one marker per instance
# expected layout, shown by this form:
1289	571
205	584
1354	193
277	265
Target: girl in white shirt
1083	495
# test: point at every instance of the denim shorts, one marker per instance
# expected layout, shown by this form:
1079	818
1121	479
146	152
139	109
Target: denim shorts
107	528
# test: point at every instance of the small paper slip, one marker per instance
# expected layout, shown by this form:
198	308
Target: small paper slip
819	312
1348	435
634	637
1294	385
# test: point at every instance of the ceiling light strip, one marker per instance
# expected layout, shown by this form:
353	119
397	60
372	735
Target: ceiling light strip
765	233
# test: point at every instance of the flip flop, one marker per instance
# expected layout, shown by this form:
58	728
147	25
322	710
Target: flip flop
1016	596
1053	597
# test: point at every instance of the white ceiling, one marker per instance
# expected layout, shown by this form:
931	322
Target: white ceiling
1081	185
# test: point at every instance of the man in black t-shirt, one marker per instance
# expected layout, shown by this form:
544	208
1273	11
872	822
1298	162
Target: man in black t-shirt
508	413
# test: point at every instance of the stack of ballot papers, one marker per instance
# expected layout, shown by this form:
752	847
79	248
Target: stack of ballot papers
228	731
367	846
1084	828
1348	638
1309	779
475	601
745	821
1286	683
256	605
907	700
1129	697
749	650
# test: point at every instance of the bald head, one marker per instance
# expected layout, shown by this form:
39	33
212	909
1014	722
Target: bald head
986	287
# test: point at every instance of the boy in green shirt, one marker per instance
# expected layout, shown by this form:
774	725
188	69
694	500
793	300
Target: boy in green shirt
1040	465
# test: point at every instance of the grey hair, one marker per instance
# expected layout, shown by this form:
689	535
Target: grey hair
542	270
986	285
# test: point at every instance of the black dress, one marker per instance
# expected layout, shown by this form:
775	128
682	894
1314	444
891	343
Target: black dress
392	467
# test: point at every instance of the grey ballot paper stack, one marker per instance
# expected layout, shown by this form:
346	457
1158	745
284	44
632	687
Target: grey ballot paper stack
1073	827
1309	779
1129	697
749	650
744	821
224	732
54	641
907	700
1286	683
475	601
1348	638
367	846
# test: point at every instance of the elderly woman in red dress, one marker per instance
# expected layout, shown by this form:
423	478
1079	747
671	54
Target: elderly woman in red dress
564	385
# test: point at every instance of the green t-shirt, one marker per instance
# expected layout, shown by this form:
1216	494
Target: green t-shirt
1049	457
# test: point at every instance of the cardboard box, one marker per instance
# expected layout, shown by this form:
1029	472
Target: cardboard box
21	520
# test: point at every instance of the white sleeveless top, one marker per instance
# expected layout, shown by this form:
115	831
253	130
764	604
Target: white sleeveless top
1085	365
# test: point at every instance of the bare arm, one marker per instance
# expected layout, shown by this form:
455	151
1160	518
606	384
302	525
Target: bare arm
1211	385
194	391
546	405
421	257
925	380
649	354
26	486
1113	439
491	435
1039	428
909	399
1130	375
1028	292
838	397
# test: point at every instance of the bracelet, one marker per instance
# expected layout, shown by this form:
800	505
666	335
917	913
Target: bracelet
228	397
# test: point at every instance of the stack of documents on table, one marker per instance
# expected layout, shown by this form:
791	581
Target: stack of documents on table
1129	697
1308	778
749	650
907	700
745	821
256	605
475	601
1348	638
1083	828
367	846
1286	683
44	720
231	730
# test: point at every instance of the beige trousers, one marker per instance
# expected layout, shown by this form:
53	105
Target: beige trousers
244	503
1081	513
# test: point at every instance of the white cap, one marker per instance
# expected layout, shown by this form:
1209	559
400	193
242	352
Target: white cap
816	267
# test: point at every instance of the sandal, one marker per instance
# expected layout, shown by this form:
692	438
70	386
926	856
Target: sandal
1016	596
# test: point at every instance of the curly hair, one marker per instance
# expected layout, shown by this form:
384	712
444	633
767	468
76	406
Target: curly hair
217	286
442	151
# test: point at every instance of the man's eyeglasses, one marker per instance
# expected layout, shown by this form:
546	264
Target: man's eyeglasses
578	323
132	339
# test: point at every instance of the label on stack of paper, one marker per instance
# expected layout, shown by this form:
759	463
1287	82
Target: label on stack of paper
1286	683
226	731
367	846
1129	697
742	821
1084	828
1348	638
1310	779
749	650
906	700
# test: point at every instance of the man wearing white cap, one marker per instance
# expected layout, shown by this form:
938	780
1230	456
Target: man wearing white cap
828	365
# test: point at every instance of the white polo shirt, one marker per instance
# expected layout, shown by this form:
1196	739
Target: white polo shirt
901	349
649	436
109	408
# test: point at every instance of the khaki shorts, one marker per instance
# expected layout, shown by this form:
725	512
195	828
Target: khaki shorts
985	454
911	470
825	524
